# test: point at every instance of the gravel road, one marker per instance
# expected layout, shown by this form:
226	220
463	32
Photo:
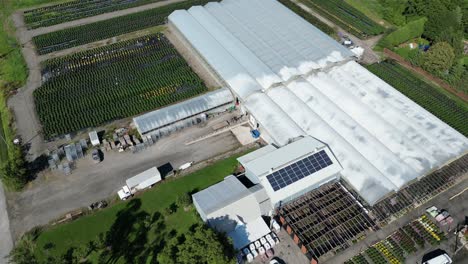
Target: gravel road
54	194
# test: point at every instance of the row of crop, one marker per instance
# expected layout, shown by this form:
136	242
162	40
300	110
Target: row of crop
75	36
110	88
64	12
346	16
401	243
424	94
105	54
309	17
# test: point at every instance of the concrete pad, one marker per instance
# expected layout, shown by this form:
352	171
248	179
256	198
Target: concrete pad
242	133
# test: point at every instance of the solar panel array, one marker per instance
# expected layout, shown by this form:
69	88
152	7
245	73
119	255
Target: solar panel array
298	170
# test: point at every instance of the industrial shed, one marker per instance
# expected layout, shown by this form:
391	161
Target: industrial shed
288	172
185	114
295	81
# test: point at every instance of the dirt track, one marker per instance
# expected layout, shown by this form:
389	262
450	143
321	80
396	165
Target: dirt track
369	56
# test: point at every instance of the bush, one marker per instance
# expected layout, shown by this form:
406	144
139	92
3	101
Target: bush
184	200
13	173
411	30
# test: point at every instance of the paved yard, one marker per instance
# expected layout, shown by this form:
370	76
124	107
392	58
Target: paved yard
286	251
53	194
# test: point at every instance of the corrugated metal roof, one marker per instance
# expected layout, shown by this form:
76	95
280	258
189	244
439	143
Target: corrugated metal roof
191	107
256	154
219	195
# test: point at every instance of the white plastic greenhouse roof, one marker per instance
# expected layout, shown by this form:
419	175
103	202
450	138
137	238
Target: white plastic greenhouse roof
161	117
297	81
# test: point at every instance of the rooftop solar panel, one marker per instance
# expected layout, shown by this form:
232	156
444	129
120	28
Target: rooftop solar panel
298	170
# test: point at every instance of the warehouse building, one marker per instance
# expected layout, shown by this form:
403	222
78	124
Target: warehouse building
185	114
296	81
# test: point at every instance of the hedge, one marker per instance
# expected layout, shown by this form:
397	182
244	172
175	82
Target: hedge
411	30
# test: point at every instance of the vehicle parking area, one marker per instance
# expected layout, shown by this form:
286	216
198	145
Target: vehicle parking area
53	194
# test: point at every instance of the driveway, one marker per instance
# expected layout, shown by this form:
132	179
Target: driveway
54	194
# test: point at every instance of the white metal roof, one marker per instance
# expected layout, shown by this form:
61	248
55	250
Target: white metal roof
277	159
256	154
141	177
382	139
167	115
219	195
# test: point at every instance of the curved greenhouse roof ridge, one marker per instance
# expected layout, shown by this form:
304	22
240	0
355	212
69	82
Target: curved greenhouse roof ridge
295	80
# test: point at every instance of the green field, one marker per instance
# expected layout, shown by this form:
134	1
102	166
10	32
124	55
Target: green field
73	10
447	107
90	88
126	219
346	16
75	36
371	8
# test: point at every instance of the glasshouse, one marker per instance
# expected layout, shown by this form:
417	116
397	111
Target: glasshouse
294	81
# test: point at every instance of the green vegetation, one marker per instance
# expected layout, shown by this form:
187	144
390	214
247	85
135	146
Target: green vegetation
112	82
446	23
371	8
73	10
449	109
412	30
135	230
13	74
346	16
309	17
75	36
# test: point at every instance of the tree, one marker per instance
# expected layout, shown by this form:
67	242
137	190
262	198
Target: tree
201	245
23	252
13	173
439	58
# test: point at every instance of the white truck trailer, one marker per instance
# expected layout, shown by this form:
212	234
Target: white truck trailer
140	182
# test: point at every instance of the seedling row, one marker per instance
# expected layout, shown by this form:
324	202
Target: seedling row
125	79
80	35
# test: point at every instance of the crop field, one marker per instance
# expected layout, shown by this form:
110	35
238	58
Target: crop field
452	112
68	11
90	88
75	36
346	16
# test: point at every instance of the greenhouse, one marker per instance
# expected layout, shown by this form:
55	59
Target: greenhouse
175	117
294	81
